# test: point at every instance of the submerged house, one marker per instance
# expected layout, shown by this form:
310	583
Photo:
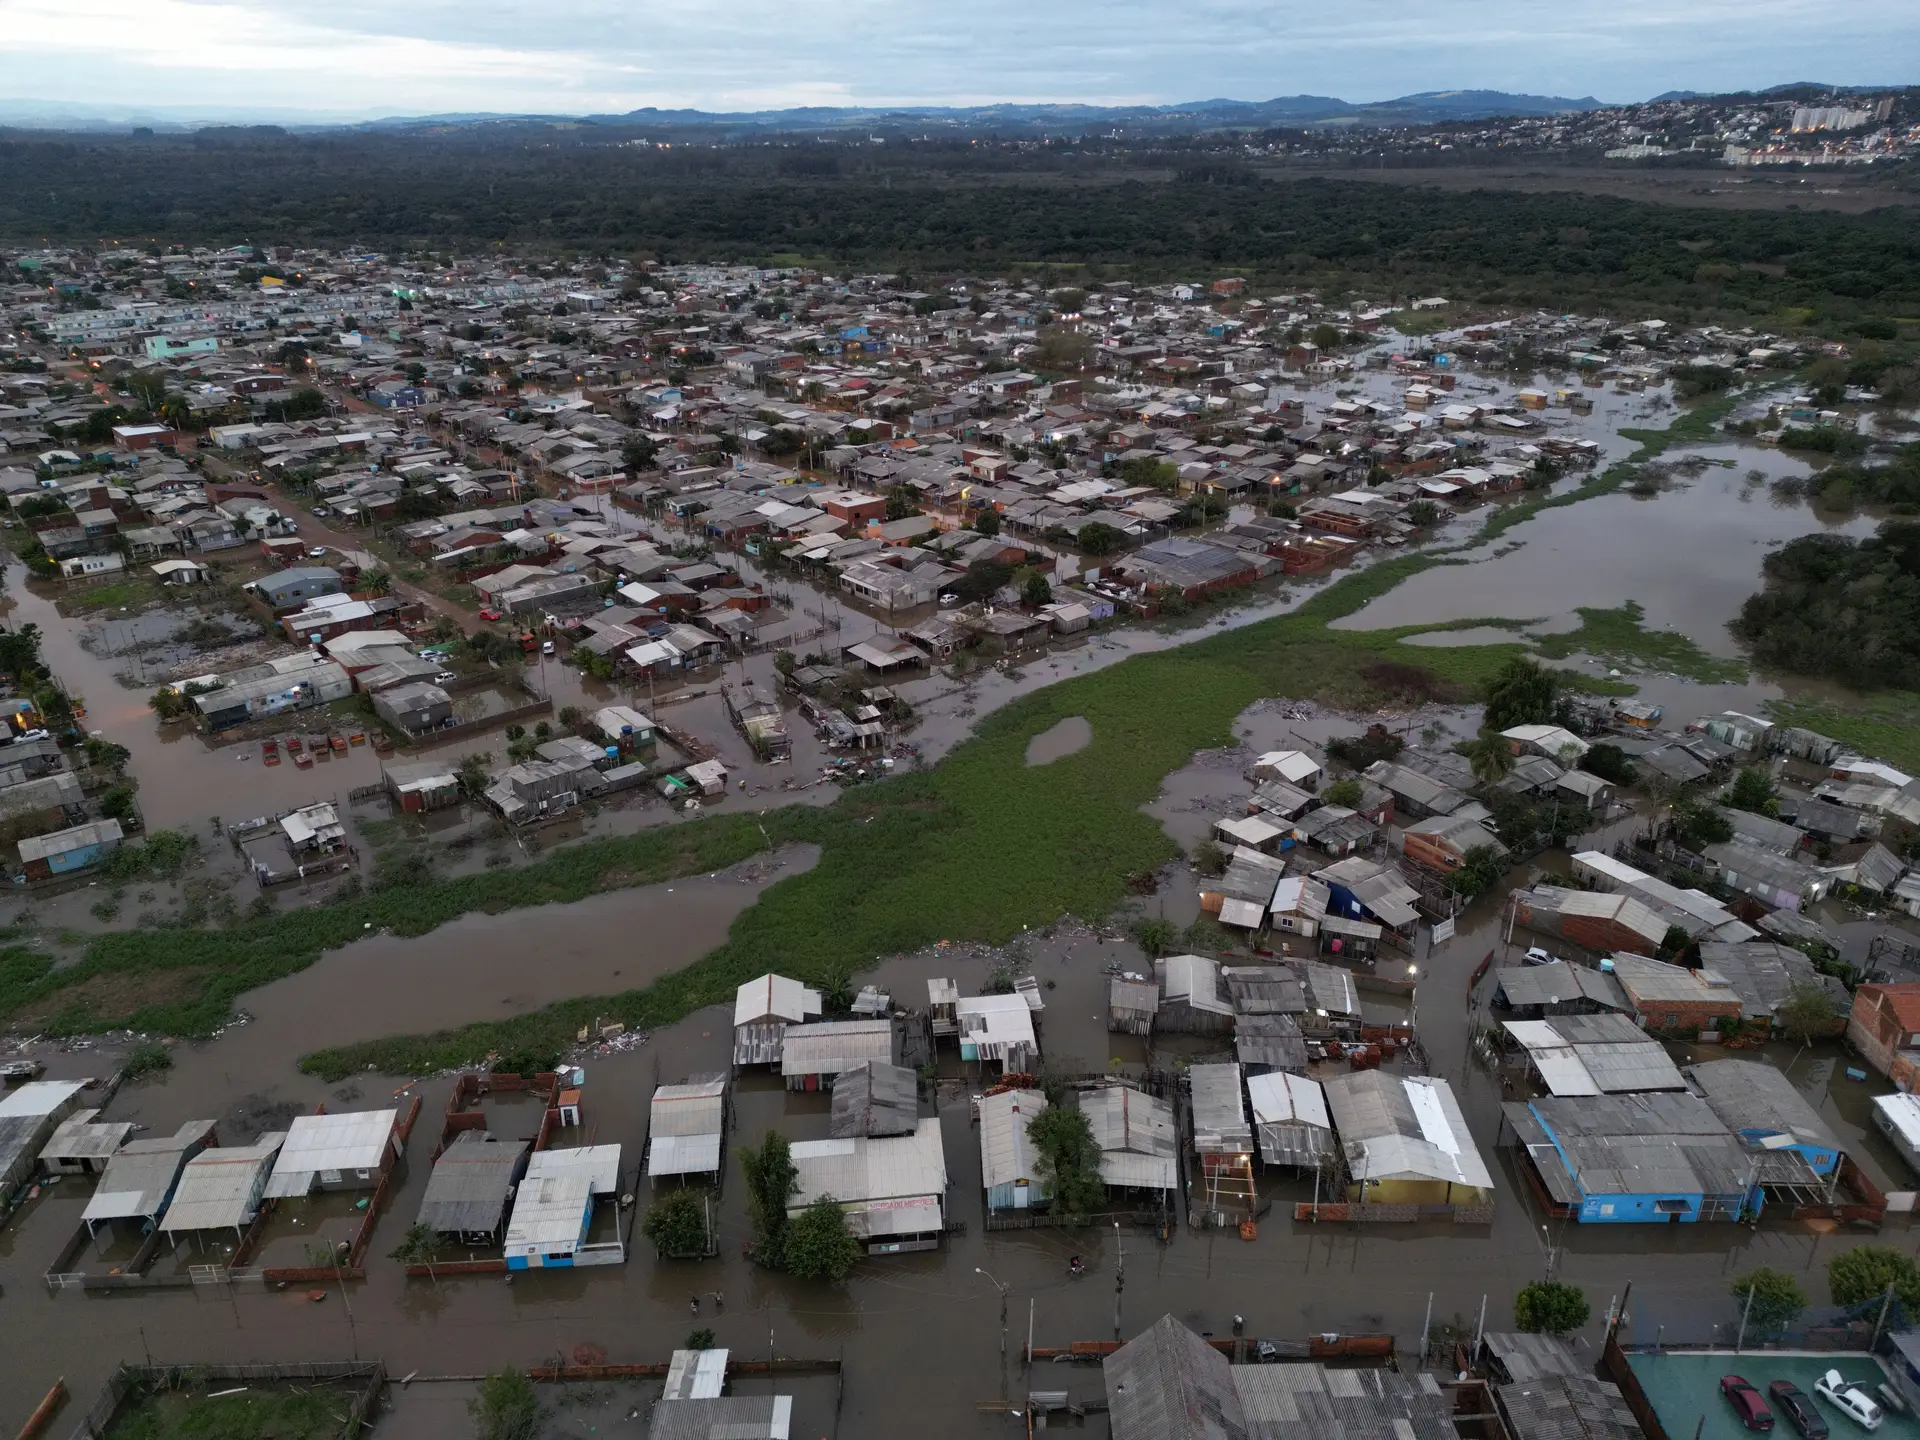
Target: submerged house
553	1210
685	1127
83	1143
1132	1002
1291	1123
1135	1133
471	1183
1758	1103
140	1179
28	1117
348	1151
893	1190
999	1028
1222	1138
874	1098
1192	999
1406	1141
1008	1159
221	1189
762	1011
812	1055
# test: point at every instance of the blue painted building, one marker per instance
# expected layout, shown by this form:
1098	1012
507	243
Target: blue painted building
65	851
1640	1159
1760	1105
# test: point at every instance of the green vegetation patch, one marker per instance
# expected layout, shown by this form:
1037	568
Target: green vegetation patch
1618	637
1886	725
309	1413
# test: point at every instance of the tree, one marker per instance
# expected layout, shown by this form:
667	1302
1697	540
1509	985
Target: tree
1209	858
701	1339
1522	693
1346	791
1098	538
20	649
1037	591
1864	1273
1481	868
677	1225
1753	792
1490	756
1777	1299
1067	1162
903	501
107	756
421	1245
1155	936
507	1408
1697	824
1808	1013
116	803
987	522
1145	470
1423	513
819	1246
1548	1307
1610	763
771	1181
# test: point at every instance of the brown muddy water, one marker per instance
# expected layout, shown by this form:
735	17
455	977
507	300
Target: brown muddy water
919	1334
1068	737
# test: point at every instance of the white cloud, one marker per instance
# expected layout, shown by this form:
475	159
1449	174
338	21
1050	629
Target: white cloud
373	56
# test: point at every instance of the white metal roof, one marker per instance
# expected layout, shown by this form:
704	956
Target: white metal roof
550	1210
1902	1112
1247	914
600	1163
1280	1095
696	1375
82	1136
1292	766
351	1140
997	1024
689	1109
774	997
1248	830
216	1190
40	1097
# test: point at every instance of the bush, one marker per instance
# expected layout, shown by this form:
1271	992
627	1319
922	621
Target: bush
1348	792
507	1408
1548	1307
149	1057
1777	1299
677	1225
1864	1273
771	1181
1156	936
1209	858
818	1244
1610	763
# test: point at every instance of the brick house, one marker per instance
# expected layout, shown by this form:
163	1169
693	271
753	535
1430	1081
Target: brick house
1672	998
1884	1026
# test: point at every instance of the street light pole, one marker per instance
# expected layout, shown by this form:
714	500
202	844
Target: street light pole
1003	1309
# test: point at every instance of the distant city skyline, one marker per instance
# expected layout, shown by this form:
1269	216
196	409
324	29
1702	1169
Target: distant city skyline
356	59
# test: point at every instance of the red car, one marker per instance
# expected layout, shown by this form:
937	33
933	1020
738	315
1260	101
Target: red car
1746	1402
491	614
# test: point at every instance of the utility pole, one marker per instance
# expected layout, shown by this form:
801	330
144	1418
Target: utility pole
1030	1303
1119	1277
1426	1328
1747	1310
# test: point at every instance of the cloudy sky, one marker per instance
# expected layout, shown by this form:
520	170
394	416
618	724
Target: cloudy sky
377	57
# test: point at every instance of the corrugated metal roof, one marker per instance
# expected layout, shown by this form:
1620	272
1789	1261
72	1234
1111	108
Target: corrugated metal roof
137	1179
467	1191
1752	1096
1006	1155
82	1136
219	1188
696	1375
683	1154
774	997
599	1163
549	1211
1404	1127
1219	1110
861	1171
698	1109
351	1140
725	1417
40	1097
874	1099
833	1046
1169	1384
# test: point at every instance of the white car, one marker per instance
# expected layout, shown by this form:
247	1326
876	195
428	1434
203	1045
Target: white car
1537	956
1849	1399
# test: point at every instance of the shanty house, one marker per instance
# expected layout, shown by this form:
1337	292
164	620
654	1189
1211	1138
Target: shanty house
28	1116
1533	992
1269	1042
1674	998
82	1144
874	1098
999	1028
1135	1133
553	1210
140	1178
1406	1140
1884	1026
762	1011
1291	1124
1222	1138
813	1054
1191	998
685	1127
892	1190
348	1151
1132	1002
1008	1159
1594	1055
471	1183
221	1189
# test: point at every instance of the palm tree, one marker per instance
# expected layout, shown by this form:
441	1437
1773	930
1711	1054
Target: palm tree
1491	757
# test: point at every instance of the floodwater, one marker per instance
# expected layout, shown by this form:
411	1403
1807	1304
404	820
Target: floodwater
1689	556
1068	737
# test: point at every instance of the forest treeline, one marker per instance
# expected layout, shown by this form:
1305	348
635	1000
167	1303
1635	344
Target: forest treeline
962	209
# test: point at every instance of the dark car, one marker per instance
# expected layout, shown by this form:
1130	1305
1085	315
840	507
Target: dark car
1746	1402
1794	1403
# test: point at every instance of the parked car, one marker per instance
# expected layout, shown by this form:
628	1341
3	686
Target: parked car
489	613
1850	1400
320	510
318	552
1537	956
1746	1402
546	647
1794	1403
